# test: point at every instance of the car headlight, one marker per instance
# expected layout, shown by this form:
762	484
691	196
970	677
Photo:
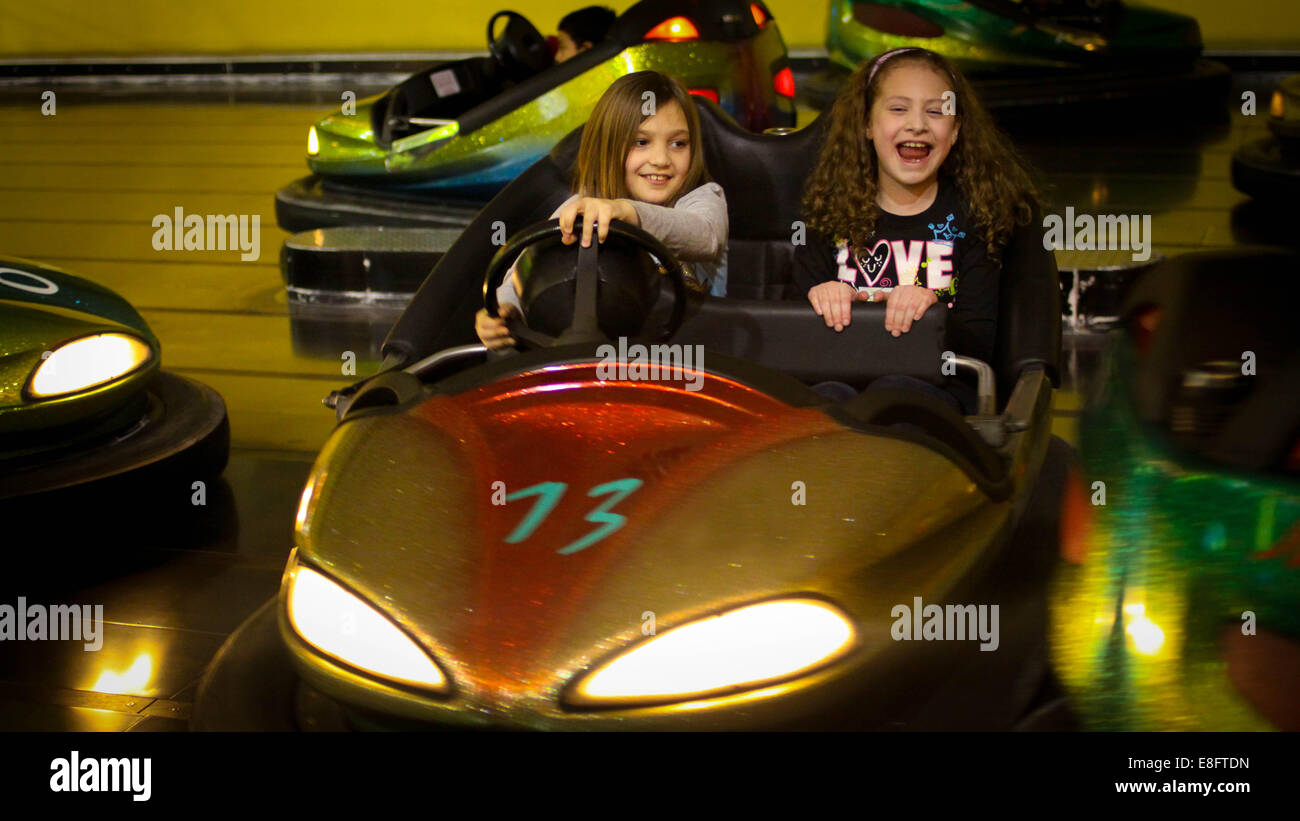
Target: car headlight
87	362
741	649
313	143
342	626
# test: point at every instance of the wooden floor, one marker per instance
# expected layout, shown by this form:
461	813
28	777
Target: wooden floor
79	190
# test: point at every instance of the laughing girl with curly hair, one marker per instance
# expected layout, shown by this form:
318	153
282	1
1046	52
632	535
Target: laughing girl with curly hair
913	198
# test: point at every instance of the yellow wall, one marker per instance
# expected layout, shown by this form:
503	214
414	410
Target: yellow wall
64	28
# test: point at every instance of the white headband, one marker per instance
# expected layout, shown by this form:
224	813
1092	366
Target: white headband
880	61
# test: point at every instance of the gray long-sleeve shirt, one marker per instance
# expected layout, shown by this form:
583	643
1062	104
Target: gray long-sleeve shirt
694	228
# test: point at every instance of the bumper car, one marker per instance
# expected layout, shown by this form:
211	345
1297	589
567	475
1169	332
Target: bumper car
84	403
1032	52
432	150
1176	606
540	541
1269	168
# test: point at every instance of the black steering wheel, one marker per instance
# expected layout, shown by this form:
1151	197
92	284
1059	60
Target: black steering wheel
521	49
584	325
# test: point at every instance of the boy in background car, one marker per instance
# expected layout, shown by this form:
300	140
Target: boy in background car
580	30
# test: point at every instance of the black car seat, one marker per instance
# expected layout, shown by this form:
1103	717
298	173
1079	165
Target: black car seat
763	177
1029	310
444	91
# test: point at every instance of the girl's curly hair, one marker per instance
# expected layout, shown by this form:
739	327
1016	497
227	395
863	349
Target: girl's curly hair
840	197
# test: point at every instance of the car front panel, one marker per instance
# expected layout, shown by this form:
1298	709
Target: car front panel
401	513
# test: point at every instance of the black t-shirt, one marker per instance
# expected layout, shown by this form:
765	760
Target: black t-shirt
937	249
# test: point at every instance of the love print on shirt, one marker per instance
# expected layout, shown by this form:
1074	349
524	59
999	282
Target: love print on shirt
868	270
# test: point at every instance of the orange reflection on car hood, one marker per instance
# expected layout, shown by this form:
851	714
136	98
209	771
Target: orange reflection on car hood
564	425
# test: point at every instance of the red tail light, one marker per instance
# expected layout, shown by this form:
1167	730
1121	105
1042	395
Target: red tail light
674	28
760	16
707	93
783	82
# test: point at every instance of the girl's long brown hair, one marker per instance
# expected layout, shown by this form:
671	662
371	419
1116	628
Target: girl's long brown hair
840	198
608	136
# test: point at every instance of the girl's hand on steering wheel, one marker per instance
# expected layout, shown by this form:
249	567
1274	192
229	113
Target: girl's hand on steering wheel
904	305
595	212
492	331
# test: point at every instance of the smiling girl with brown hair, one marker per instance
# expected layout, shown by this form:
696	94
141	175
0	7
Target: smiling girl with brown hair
640	161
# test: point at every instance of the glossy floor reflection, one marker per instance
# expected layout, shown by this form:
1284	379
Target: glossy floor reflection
80	189
172	586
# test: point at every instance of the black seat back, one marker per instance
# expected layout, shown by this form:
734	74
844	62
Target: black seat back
1029	310
444	91
787	336
763	177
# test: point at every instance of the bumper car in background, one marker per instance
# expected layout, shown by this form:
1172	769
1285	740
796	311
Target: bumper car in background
432	150
1177	606
1268	169
84	402
1030	53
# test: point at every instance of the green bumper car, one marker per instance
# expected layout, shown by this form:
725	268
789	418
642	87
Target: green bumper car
432	150
83	398
1031	52
1178	605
